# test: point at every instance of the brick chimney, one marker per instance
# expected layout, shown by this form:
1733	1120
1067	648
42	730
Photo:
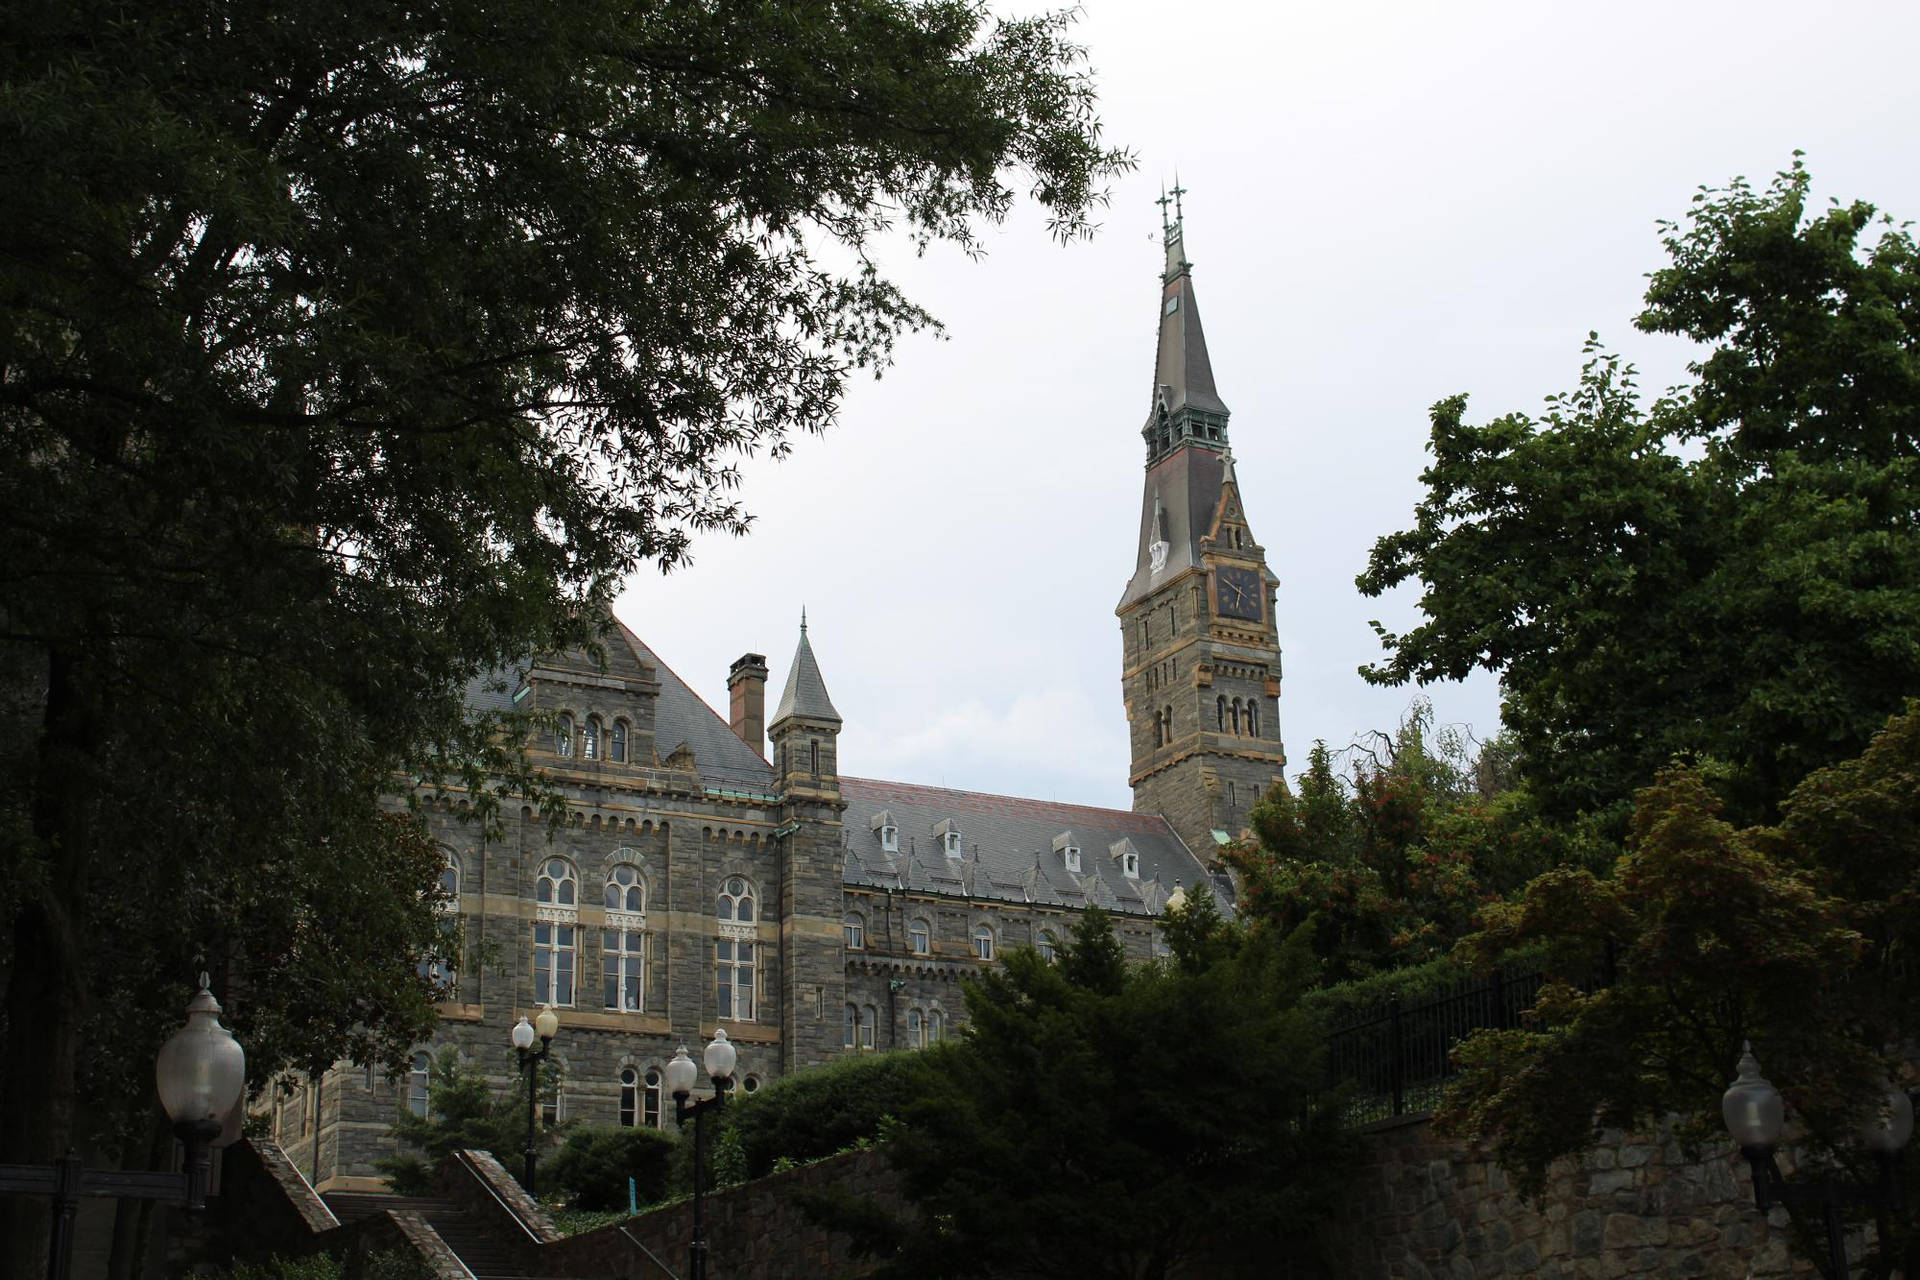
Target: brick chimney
747	701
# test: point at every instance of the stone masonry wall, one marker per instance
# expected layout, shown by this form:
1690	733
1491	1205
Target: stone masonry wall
1634	1205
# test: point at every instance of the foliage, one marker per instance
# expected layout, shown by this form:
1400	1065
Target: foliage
813	1114
1056	1119
1727	574
350	354
1796	937
591	1167
1391	866
462	1112
386	1264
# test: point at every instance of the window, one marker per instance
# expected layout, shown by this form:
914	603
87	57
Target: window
750	1085
1220	713
419	1081
735	902
1130	865
626	890
650	1114
936	1026
813	755
1253	719
590	740
983	941
557	885
733	961
552	1108
916	1029
1234	714
1231	801
890	838
629	1097
856	931
853	1026
450	881
623	969
553	950
1047	945
920	938
952	840
1071	855
617	742
563	736
868	1021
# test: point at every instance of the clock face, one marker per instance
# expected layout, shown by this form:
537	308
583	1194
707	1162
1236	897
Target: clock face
1237	592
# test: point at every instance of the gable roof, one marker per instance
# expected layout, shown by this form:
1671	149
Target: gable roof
682	717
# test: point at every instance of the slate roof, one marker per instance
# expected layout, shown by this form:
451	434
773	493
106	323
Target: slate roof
806	691
1182	371
682	717
1185	485
1009	848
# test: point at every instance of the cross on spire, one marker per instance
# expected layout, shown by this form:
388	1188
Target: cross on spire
1163	202
1178	214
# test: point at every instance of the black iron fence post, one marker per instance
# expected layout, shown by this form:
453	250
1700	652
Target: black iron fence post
1395	1073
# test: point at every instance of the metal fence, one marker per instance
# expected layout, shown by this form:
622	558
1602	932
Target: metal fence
1397	1055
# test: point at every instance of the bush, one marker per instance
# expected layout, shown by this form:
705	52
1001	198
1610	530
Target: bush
815	1113
592	1166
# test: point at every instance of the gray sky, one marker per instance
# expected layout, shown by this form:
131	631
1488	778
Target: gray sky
1388	204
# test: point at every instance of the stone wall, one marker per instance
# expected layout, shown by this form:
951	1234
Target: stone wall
1634	1205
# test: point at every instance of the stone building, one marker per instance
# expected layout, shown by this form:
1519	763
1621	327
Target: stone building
719	872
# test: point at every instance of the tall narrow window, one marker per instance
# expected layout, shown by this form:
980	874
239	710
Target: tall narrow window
1168	713
563	737
1253	719
1220	712
856	930
1236	715
936	1026
1047	946
983	941
419	1085
734	961
650	1115
590	740
853	1026
916	1029
617	742
813	755
869	1019
623	969
629	1097
553	952
553	1108
920	938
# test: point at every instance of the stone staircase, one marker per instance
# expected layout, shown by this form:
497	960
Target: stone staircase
484	1257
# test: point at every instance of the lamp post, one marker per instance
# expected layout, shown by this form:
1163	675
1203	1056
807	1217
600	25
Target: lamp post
546	1024
719	1060
1754	1111
201	1076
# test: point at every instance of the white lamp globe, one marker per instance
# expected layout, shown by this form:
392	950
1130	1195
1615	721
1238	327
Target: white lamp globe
523	1034
201	1070
1752	1107
1889	1130
720	1057
680	1073
547	1023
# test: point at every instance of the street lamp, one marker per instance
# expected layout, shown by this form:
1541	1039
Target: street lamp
719	1060
201	1074
546	1024
1754	1112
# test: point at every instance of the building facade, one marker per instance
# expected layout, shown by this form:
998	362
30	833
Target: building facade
719	872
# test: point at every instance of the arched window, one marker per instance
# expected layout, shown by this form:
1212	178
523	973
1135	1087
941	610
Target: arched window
626	889
1159	730
916	1029
617	742
419	1084
650	1113
853	1026
856	931
629	1097
1047	945
869	1019
1220	712
983	941
813	755
557	885
936	1026
592	739
450	879
1253	718
563	736
920	938
733	951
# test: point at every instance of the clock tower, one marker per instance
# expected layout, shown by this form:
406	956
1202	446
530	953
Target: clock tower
1200	665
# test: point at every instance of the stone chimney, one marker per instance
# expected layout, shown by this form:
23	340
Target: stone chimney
747	701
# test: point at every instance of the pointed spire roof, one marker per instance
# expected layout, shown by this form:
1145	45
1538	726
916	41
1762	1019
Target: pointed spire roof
806	691
1182	371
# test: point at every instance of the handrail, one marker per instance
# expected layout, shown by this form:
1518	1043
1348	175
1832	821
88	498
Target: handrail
635	1242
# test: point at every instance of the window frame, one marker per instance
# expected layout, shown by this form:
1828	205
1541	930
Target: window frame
983	933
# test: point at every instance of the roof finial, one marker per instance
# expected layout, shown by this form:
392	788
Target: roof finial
1163	202
1178	214
803	619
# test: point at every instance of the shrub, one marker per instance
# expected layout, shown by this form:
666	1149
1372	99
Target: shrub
592	1166
815	1113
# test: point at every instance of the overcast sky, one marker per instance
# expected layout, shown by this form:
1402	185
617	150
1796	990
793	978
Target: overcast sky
1387	204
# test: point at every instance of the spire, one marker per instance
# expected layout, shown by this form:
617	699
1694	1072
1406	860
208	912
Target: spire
1185	406
806	693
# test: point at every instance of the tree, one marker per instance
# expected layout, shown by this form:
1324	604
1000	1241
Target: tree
1099	1108
1796	937
462	1113
1727	573
348	356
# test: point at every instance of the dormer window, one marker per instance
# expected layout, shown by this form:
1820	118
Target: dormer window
882	823
1127	856
947	831
1069	851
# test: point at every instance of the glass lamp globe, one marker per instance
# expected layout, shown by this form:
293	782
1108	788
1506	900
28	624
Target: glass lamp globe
1751	1106
201	1070
1889	1131
547	1023
720	1057
680	1073
523	1034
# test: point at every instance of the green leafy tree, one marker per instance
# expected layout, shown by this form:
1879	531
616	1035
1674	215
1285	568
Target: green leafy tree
592	1166
1797	937
1056	1146
463	1112
1726	574
347	355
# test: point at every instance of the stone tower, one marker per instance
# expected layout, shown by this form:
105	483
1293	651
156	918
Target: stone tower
1200	667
